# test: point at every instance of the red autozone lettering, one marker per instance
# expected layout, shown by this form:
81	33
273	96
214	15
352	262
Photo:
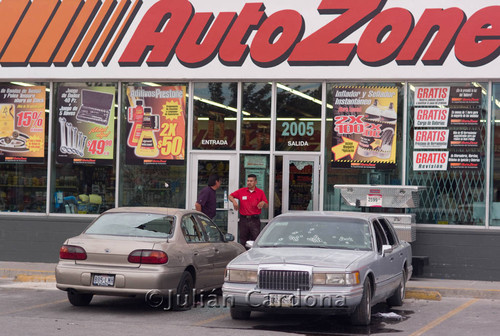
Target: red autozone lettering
422	157
44	33
171	27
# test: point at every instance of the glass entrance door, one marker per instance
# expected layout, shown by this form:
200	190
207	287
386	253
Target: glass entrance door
300	183
225	166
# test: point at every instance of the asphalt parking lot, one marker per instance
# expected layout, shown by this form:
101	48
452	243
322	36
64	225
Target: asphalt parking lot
38	308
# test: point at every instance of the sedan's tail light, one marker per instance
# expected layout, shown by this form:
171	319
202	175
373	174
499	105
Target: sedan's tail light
147	257
72	252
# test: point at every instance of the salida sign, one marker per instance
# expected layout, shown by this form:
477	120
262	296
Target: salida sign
137	34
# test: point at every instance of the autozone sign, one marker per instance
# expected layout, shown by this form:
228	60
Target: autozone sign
267	39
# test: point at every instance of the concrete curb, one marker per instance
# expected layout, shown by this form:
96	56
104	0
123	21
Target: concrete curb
34	278
27	275
423	294
474	293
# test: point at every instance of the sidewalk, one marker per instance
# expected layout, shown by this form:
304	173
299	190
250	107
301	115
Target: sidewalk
417	288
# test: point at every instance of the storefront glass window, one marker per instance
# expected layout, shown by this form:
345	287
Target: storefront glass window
215	116
24	117
446	151
153	145
298	123
495	197
85	148
259	166
256	116
363	138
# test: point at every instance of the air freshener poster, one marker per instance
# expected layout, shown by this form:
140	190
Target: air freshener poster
22	124
364	127
85	125
156	125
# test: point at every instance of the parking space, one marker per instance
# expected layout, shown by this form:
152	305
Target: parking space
41	311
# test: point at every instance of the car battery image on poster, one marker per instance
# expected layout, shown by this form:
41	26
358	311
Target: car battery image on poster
156	125
85	125
364	127
22	124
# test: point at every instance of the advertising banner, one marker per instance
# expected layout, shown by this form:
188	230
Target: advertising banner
430	161
434	95
364	127
156	127
22	124
444	117
461	133
85	125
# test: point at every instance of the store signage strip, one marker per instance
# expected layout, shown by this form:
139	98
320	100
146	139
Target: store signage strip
44	33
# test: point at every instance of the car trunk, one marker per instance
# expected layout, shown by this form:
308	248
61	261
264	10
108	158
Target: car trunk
113	251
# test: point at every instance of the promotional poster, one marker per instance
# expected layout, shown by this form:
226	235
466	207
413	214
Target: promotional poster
85	125
156	125
364	127
440	125
22	124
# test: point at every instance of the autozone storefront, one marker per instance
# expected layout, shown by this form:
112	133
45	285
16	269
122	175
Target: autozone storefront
125	103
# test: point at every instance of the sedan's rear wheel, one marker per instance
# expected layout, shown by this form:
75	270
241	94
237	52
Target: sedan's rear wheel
79	299
184	298
362	315
240	313
398	297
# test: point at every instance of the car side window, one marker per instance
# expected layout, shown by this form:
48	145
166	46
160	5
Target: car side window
191	230
213	233
379	236
389	232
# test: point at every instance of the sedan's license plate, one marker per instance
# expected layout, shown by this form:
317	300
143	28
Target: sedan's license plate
281	300
103	280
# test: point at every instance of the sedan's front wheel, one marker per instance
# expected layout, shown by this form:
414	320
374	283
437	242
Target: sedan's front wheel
396	300
79	299
362	315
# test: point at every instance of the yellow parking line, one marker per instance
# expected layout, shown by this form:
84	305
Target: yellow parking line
215	318
33	307
443	318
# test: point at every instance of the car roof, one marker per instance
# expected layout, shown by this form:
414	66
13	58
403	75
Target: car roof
333	214
156	210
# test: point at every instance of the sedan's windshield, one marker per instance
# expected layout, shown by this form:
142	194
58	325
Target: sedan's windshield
133	224
352	234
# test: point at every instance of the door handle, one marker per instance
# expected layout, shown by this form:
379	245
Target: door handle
195	253
217	251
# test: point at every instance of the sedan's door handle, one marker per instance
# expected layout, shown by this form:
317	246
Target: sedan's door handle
195	253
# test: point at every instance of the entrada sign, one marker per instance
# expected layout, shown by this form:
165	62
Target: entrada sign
173	34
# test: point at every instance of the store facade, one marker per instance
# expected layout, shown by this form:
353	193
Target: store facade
126	103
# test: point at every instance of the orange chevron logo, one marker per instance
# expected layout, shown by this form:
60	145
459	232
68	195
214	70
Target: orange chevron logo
55	32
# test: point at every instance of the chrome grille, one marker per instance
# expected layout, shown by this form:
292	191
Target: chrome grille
284	280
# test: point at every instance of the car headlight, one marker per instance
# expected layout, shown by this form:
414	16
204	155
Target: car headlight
237	275
336	279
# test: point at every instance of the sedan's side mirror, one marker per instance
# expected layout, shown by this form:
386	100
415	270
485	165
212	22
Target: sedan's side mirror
249	244
386	249
228	237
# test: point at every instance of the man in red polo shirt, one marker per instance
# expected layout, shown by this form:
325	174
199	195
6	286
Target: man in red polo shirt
252	200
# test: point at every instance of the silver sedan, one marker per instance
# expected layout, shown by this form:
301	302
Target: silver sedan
157	253
334	262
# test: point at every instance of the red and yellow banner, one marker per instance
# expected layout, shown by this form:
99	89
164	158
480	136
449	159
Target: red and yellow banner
364	127
156	127
22	124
